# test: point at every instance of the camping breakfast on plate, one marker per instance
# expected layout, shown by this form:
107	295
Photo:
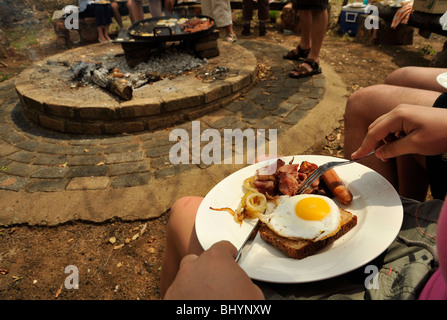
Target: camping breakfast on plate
296	224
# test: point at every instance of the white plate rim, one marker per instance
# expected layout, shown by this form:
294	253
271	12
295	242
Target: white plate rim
376	204
442	79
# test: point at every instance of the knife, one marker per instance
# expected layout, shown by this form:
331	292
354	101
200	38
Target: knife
250	236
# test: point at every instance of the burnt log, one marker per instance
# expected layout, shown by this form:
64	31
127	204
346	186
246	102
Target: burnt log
102	79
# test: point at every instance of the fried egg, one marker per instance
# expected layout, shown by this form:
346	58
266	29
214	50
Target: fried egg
310	217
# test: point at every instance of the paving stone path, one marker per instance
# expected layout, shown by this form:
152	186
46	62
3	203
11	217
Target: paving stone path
33	159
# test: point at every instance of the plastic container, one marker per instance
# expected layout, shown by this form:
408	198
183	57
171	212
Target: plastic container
349	18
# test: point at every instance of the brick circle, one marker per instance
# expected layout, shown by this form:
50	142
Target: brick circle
50	98
35	159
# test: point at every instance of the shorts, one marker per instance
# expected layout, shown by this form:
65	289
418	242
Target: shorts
403	269
220	11
102	14
437	165
310	4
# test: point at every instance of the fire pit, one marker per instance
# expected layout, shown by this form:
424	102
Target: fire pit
52	98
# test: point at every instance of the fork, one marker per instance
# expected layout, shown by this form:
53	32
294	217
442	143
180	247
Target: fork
325	167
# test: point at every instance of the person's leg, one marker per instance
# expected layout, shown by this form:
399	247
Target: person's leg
314	26
116	13
155	8
100	17
306	28
206	8
169	6
319	27
135	10
247	16
181	238
416	77
106	32
263	16
365	106
108	20
221	12
130	5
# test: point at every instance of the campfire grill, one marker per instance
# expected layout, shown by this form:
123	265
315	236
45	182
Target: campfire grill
170	28
148	37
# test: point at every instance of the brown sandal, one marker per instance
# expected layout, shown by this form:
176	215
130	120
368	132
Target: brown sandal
302	72
297	54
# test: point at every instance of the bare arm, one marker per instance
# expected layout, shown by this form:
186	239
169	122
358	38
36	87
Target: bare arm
423	130
213	275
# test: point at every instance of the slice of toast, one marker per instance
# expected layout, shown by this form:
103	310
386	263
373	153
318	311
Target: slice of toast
300	249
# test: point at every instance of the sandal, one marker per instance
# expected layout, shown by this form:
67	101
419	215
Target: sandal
302	72
230	38
297	54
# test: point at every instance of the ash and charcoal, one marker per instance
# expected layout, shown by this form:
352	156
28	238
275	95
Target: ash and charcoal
168	64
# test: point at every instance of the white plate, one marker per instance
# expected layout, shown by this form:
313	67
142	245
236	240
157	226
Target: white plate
442	79
376	204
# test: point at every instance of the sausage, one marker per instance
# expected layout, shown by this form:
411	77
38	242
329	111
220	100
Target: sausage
337	187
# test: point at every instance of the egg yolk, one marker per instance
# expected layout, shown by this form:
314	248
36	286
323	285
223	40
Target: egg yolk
312	208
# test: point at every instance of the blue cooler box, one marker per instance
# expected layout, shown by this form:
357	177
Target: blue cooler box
349	18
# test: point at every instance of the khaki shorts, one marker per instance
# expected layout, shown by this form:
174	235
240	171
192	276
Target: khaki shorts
404	268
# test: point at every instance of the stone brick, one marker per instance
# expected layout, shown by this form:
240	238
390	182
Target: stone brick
21	169
219	91
53	148
284	109
86	160
51	160
131	180
85	127
88	171
29	145
124	157
97	113
308	104
173	170
166	121
13	183
47	185
22	156
50	172
121	147
128	168
205	45
55	124
31	100
63	109
239	82
180	101
294	117
7	149
123	127
88	183
140	107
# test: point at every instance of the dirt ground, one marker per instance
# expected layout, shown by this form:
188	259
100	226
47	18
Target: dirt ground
121	260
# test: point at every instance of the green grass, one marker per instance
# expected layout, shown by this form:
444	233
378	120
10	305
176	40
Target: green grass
22	38
5	76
